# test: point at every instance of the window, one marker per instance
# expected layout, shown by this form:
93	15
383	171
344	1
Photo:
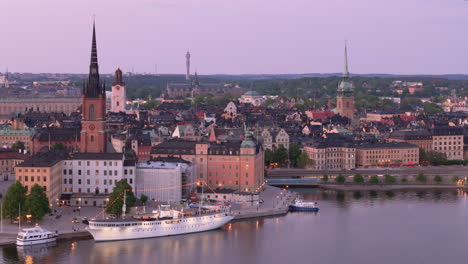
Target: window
105	182
79	172
45	188
131	172
125	172
87	172
97	182
79	163
64	172
25	178
88	182
91	138
110	172
87	163
32	178
79	181
79	190
97	163
38	178
131	180
105	163
91	112
97	172
115	172
70	172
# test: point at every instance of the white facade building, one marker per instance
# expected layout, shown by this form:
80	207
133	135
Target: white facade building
91	177
164	181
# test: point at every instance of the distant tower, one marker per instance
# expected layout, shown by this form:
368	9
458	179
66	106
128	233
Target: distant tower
118	98
6	83
93	123
187	57
345	94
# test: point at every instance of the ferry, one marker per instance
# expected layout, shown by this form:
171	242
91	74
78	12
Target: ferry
162	222
301	205
35	235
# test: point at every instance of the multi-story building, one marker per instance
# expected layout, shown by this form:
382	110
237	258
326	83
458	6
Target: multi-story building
8	137
386	154
8	161
421	137
88	178
237	165
44	169
273	138
331	155
448	140
11	105
166	180
45	139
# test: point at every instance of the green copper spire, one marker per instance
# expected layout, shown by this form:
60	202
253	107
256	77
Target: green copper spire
346	72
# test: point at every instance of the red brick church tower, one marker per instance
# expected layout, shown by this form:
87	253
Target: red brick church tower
93	124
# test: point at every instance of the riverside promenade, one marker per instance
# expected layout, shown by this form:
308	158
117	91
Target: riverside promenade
275	202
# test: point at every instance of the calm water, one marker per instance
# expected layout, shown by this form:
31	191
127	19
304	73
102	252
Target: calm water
355	227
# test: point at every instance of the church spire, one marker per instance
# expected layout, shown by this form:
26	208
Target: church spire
94	59
346	72
93	87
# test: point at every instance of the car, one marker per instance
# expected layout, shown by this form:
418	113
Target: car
85	220
75	220
112	216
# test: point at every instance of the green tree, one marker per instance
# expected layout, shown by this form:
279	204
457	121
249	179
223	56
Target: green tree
421	177
18	145
37	203
294	153
304	161
268	157
143	199
389	179
116	198
340	179
324	178
358	178
14	197
59	145
281	156
455	179
438	179
374	180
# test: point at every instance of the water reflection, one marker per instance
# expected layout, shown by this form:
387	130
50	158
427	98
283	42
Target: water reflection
297	237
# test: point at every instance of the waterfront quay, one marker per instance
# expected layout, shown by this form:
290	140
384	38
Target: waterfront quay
275	202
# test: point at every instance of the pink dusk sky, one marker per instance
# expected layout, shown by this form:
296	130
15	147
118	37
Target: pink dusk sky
236	36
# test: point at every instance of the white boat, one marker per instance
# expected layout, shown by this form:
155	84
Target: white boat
35	235
164	222
301	205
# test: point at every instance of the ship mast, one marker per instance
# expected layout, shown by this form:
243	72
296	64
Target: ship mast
124	207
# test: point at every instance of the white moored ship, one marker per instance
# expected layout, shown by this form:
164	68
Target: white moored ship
35	235
165	222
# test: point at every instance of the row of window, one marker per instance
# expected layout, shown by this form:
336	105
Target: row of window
27	178
43	187
449	148
88	181
97	172
88	163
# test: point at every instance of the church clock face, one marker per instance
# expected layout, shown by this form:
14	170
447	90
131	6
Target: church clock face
92	127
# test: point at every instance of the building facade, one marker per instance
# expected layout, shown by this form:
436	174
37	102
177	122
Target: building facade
386	154
45	170
166	181
273	138
12	105
332	155
448	140
237	165
420	138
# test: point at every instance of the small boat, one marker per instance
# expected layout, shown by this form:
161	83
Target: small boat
301	205
35	235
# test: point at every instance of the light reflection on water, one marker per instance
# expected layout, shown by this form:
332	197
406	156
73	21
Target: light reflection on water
408	226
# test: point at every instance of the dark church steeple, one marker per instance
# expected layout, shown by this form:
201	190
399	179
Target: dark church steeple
93	87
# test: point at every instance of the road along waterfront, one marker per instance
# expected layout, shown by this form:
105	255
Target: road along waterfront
403	226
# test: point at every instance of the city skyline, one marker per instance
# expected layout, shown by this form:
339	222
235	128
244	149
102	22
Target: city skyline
237	38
